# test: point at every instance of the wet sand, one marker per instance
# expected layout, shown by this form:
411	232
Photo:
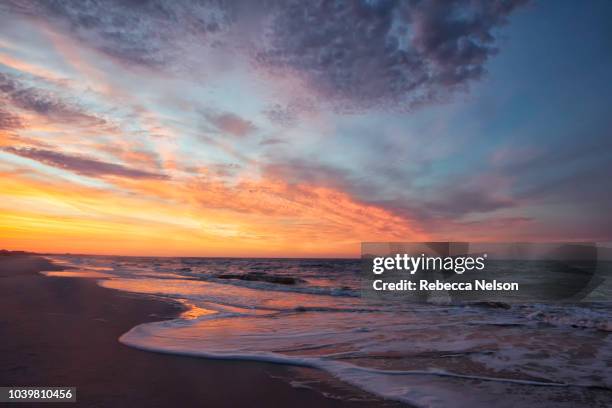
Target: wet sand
63	332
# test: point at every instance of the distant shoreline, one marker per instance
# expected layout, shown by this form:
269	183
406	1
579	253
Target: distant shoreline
43	254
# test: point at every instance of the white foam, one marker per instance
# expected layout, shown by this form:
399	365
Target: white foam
427	388
425	355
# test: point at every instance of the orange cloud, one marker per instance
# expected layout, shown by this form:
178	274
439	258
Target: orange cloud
190	217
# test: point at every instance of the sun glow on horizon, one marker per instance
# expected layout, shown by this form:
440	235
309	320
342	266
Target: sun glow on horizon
263	218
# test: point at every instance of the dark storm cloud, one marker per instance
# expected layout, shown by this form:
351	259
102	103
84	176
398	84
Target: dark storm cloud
82	165
43	102
353	54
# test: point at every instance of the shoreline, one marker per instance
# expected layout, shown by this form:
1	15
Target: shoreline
64	331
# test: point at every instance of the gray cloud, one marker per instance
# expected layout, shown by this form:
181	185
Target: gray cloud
8	121
301	171
280	115
353	54
288	115
224	169
450	202
577	164
137	32
82	165
43	102
385	53
271	141
460	202
453	206
229	123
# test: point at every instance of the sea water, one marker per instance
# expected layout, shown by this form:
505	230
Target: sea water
308	312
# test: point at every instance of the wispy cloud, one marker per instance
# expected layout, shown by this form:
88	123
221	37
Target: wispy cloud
271	141
230	124
135	33
81	164
44	103
9	121
355	54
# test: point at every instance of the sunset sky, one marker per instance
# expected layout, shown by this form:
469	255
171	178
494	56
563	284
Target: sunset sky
302	128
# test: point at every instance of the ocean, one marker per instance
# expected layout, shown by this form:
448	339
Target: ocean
309	313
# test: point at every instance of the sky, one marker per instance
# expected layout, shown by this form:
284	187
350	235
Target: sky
292	128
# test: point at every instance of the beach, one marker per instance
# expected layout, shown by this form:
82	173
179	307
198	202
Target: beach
64	332
364	203
155	331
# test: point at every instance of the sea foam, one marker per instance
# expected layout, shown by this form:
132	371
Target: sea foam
426	355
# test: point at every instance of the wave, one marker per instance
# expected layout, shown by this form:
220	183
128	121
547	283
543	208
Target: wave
574	317
261	277
312	290
421	354
415	387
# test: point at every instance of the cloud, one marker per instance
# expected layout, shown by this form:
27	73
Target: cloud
271	141
312	212
280	115
575	171
352	54
461	202
44	103
229	123
385	53
289	114
142	33
8	121
450	203
82	165
298	171
223	169
514	156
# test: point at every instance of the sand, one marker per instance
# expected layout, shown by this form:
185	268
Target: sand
63	332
